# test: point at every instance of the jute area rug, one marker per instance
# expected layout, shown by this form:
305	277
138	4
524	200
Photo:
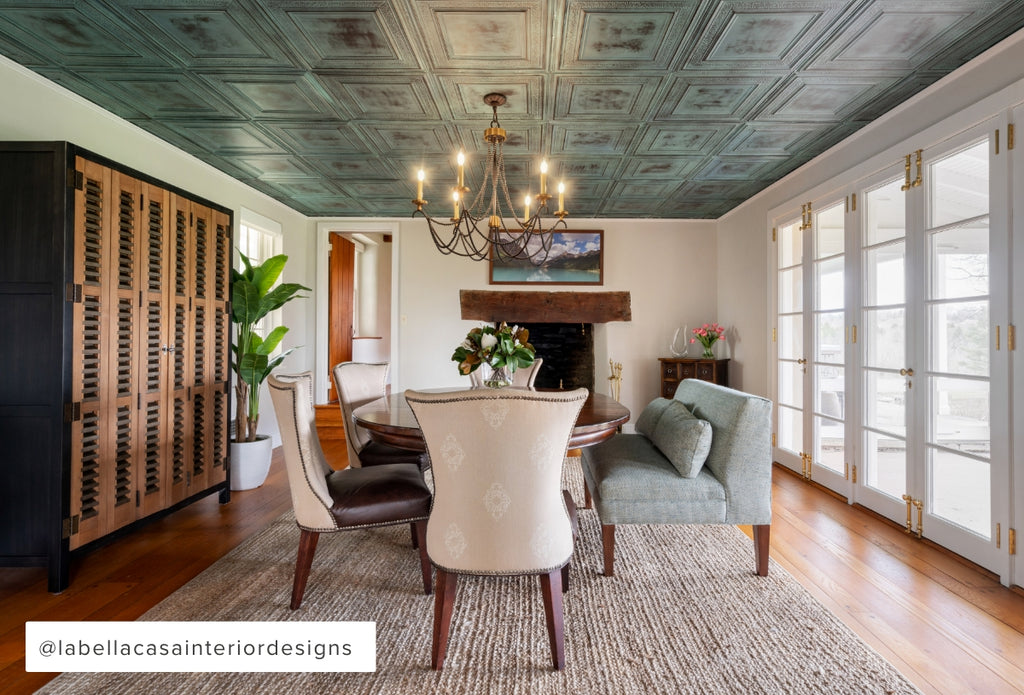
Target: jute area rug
684	614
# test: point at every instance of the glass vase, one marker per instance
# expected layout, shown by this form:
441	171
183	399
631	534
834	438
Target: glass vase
709	352
499	377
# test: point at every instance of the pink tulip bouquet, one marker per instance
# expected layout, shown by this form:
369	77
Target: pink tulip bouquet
707	335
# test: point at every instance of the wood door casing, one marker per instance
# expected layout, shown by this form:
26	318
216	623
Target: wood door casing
342	275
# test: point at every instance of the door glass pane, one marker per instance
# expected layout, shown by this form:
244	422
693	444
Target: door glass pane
829	232
791	431
886	463
884	275
831	340
961	491
883	335
791	245
791	295
829	444
960	338
885	400
886	218
828	283
961	417
960	261
791	384
959	186
830	396
791	336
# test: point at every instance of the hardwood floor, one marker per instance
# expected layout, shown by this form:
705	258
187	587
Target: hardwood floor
948	626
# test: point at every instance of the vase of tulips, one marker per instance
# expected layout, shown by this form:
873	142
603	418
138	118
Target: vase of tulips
707	335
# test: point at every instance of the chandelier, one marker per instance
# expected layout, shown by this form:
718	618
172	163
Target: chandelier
490	222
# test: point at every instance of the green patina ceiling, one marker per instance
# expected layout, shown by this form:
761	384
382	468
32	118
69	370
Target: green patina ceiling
647	108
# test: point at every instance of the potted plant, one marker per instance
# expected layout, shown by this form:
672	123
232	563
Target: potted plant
253	296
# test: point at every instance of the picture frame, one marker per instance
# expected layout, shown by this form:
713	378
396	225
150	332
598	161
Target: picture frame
576	258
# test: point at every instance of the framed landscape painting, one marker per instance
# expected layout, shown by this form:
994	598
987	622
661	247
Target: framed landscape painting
575	258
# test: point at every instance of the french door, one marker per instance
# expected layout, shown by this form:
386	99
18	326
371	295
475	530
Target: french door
887	370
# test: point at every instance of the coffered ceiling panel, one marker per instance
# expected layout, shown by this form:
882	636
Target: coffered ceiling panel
659	108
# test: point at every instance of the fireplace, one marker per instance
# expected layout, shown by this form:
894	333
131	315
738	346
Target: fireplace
562	327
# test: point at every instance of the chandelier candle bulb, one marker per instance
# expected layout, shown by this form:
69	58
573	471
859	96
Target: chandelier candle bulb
455	205
462	167
419	184
561	196
526	214
543	177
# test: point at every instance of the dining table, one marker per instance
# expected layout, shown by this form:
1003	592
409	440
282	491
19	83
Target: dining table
390	420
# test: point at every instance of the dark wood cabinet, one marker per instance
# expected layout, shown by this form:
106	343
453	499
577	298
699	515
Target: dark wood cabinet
115	402
675	369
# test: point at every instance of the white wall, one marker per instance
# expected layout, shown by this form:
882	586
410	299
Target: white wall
668	266
744	234
37	109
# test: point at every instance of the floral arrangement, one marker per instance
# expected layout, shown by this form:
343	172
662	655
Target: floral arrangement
501	348
707	335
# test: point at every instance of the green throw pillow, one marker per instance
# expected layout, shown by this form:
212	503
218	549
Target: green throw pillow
684	439
648	419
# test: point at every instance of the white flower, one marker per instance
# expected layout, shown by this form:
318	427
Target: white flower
487	341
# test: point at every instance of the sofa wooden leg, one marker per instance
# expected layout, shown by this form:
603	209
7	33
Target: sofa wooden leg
419	532
307	548
551	588
443	601
608	543
762	535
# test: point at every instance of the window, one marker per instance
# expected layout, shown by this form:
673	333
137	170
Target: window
259	239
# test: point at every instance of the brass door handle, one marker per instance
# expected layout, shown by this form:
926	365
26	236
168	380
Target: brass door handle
906	372
801	361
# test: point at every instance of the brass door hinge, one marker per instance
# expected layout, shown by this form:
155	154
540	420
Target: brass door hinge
999	535
773	233
1011	538
997	141
775	335
1009	136
846	470
69	526
808	465
773	439
1011	337
854	474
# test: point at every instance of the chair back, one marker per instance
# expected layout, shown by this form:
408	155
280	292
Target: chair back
304	460
358	383
521	377
497	458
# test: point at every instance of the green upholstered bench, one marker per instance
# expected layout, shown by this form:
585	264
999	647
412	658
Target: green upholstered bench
660	474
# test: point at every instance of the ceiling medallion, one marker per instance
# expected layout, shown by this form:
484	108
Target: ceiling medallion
477	227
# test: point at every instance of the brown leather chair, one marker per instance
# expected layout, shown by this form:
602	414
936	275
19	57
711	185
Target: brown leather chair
358	383
498	506
326	500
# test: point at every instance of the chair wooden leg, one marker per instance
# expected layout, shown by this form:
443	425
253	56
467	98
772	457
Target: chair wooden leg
307	548
587	501
551	588
608	544
412	532
575	522
762	536
443	601
419	533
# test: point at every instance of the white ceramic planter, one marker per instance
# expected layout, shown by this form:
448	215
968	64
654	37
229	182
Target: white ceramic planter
250	462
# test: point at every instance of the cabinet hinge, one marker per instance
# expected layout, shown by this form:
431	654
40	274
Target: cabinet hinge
142	201
138	498
1011	540
73	293
76	179
69	526
72	412
188	478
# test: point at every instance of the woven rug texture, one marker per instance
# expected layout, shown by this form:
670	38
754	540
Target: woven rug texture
685	613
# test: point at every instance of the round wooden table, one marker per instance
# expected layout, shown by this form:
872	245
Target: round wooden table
389	420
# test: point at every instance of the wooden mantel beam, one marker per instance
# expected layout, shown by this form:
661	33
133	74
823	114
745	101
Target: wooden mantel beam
545	307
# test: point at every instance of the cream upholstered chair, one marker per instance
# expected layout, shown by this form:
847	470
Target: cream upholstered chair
358	383
498	505
521	377
326	500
